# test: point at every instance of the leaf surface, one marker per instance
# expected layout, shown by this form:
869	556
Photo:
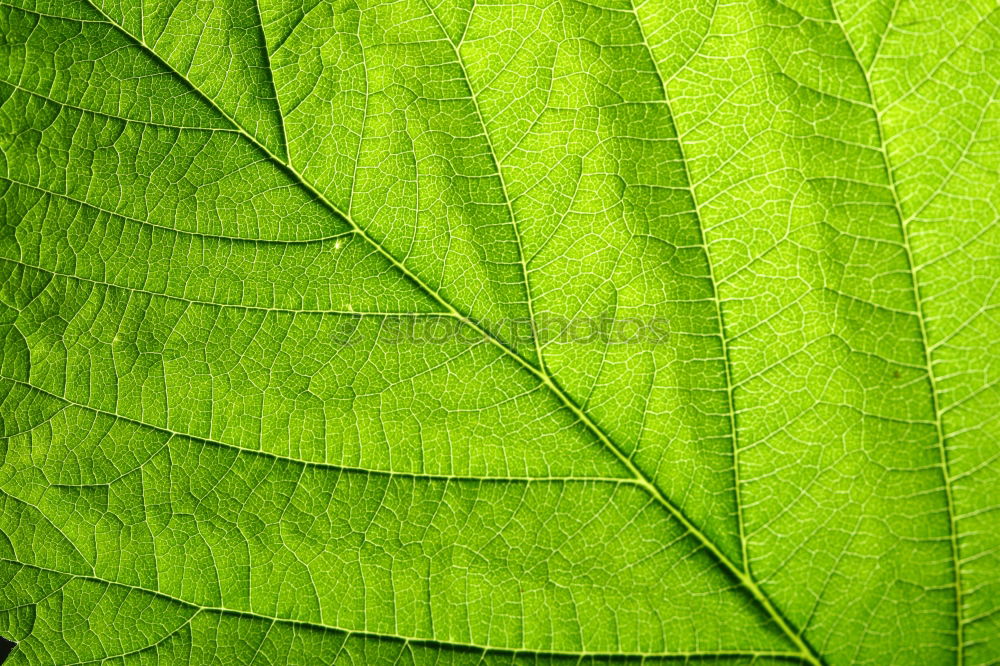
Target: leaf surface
450	332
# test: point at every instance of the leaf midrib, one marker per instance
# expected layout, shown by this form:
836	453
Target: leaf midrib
744	579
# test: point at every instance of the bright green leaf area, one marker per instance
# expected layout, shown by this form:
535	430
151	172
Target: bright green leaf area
228	227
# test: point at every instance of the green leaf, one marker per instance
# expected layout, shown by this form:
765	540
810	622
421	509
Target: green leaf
556	331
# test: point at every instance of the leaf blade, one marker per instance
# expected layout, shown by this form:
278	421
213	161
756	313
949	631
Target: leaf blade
611	197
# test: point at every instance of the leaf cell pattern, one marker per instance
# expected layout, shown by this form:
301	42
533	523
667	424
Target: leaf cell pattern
217	217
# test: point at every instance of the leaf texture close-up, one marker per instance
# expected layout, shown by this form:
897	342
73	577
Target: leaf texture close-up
500	331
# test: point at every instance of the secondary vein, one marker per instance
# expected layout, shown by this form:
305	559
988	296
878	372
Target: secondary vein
414	640
743	573
924	343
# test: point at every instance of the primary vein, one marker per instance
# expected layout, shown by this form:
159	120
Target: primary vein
735	570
